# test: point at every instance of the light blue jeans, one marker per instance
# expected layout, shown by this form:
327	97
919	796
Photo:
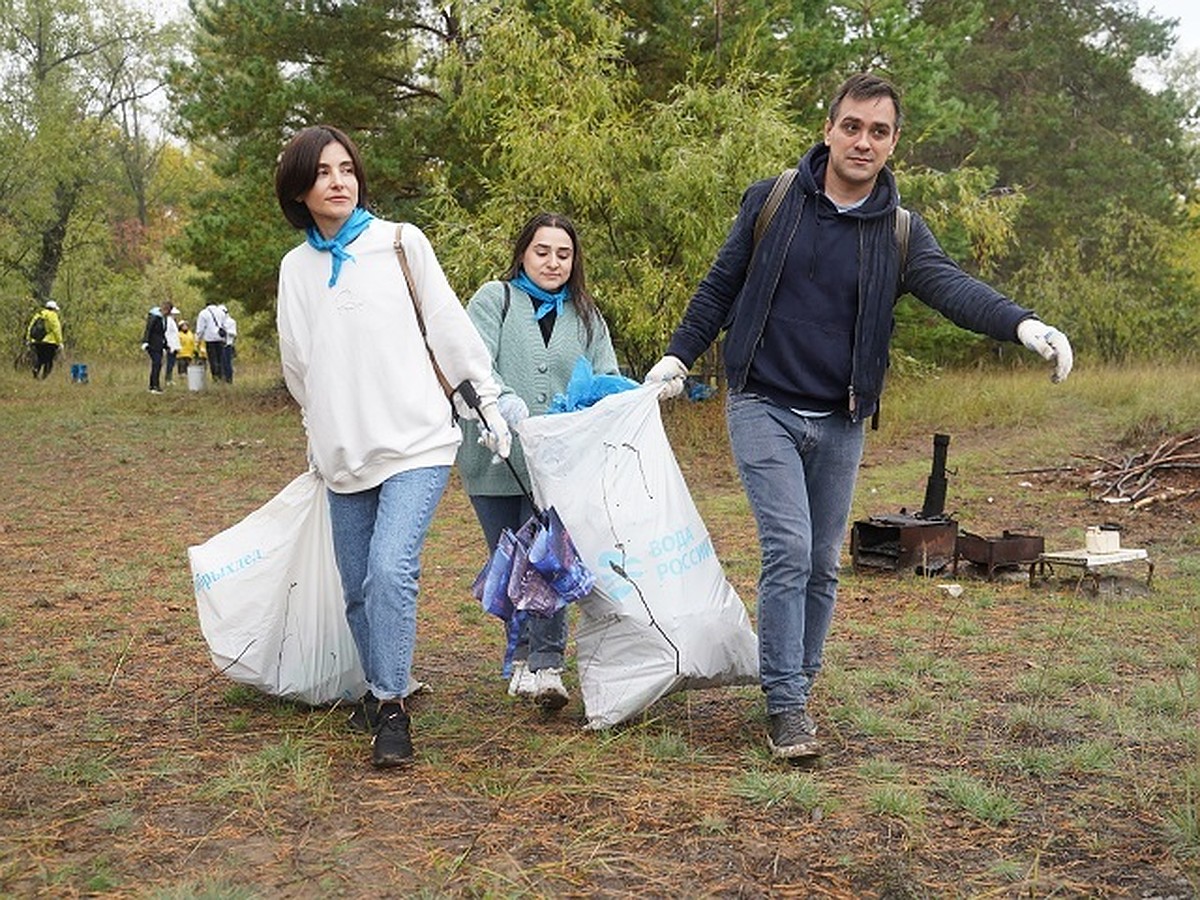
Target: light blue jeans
377	540
799	474
543	640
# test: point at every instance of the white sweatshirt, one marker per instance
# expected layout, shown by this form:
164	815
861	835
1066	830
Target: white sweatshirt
172	334
354	359
208	322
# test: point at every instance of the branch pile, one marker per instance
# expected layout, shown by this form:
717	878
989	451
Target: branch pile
1138	479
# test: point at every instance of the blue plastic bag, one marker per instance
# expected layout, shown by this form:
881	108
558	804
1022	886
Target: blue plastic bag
491	584
586	388
534	571
528	588
553	554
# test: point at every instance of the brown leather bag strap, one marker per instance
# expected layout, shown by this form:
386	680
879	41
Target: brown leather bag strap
397	242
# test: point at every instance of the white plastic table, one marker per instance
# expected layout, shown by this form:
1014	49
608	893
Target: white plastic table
1089	563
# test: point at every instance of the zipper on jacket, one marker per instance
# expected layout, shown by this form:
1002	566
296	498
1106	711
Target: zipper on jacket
858	300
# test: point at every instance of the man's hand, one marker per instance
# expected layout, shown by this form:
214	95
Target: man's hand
670	373
1049	343
495	434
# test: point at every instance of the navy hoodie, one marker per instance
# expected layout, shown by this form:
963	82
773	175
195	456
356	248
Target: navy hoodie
808	315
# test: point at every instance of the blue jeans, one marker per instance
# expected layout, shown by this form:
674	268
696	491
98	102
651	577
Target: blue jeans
799	474
543	640
377	540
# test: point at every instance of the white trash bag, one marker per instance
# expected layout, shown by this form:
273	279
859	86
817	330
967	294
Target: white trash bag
662	617
270	600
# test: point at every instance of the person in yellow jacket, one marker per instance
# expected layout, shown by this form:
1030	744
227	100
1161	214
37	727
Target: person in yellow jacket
187	347
45	335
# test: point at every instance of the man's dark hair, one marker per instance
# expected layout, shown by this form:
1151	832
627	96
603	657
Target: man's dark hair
865	86
297	170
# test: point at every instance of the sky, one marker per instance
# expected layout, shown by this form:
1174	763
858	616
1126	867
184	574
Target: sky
1188	14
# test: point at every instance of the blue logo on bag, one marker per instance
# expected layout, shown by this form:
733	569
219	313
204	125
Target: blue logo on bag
205	580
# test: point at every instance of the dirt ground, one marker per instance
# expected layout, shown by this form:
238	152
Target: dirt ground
132	769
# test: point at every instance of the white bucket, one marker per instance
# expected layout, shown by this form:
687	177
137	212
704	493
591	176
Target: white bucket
195	378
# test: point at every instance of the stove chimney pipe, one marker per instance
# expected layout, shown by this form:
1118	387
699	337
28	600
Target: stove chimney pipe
935	487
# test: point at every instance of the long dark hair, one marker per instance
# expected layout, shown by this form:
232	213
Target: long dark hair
297	170
576	282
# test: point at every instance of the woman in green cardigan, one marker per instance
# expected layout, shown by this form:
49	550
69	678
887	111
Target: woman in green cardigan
536	322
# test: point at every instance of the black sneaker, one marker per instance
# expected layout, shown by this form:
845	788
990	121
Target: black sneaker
792	734
392	744
366	714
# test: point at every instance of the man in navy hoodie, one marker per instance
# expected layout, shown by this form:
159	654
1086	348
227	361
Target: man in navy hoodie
807	312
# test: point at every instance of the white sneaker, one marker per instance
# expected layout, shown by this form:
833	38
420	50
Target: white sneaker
522	682
548	692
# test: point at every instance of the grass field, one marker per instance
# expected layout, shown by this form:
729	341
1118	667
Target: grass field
1005	740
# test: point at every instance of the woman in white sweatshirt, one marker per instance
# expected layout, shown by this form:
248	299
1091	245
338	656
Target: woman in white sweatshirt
380	428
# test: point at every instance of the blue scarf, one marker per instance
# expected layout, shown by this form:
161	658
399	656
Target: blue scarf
547	300
355	225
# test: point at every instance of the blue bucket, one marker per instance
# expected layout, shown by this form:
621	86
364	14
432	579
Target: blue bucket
79	373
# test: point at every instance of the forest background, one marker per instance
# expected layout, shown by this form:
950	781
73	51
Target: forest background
140	152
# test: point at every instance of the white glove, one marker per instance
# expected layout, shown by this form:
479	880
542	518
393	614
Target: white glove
494	433
670	373
1049	343
513	408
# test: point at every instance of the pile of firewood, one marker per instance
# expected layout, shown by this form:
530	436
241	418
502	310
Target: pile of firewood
1138	479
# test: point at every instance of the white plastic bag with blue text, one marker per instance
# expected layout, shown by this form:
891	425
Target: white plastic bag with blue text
270	600
662	616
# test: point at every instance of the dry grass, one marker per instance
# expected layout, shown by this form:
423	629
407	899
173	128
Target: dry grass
1006	742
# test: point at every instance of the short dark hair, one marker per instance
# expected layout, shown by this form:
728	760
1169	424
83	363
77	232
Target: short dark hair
577	281
865	86
297	170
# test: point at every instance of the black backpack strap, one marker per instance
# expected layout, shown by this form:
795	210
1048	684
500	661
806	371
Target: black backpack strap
903	230
503	315
771	206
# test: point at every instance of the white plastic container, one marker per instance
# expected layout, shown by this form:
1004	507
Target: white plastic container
195	375
1102	540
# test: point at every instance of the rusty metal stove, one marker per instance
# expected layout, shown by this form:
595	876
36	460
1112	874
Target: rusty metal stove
923	541
992	553
903	541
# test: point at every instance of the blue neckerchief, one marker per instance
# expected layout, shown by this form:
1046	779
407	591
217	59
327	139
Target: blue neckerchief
547	300
355	225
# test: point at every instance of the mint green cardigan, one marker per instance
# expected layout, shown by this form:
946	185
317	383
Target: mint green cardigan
523	364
